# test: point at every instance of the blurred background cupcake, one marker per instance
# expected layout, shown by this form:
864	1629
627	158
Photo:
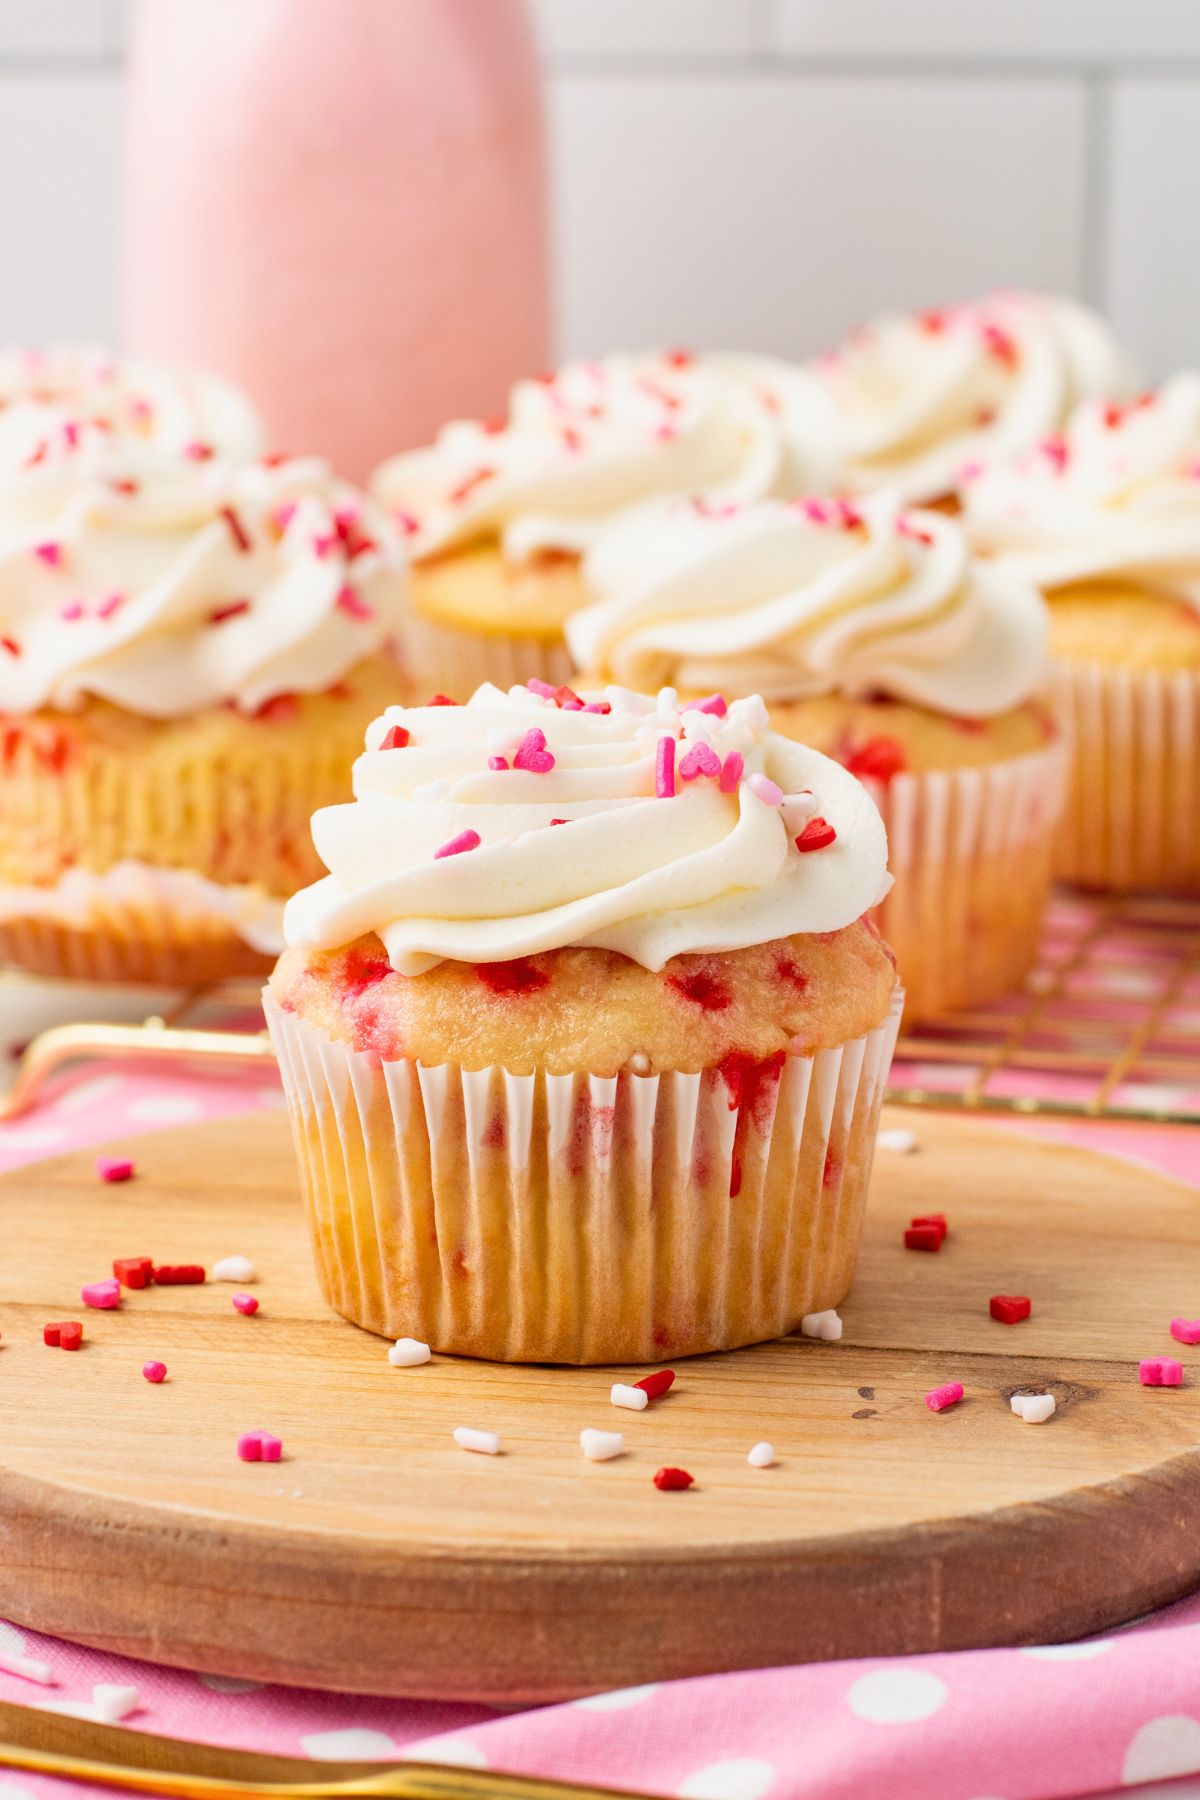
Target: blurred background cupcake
498	512
919	395
874	636
1105	519
190	646
584	1034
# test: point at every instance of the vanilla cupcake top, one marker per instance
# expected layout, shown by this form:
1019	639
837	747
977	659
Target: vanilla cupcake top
790	599
1115	497
918	396
168	581
537	819
56	398
582	447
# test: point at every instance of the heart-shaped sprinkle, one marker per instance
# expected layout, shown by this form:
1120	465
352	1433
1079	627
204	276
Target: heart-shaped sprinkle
700	759
532	754
1187	1331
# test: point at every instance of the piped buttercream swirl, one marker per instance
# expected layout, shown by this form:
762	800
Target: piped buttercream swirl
810	597
920	396
165	583
1115	497
52	399
516	824
582	447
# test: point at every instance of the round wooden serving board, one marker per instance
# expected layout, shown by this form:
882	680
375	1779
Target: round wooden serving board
379	1557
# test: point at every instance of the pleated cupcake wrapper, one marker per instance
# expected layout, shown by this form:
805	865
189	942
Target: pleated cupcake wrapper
457	661
139	923
1133	813
971	850
178	803
582	1218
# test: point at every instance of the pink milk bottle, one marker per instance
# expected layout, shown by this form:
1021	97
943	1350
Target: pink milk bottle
341	205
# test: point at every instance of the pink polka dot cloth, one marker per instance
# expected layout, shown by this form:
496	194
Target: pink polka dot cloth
1095	1718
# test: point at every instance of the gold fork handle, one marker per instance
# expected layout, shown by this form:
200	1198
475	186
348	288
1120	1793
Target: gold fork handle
410	1781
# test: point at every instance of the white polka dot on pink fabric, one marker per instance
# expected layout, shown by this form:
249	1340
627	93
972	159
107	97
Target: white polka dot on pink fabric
11	1641
1165	1747
459	1753
90	1093
740	1778
35	1137
164	1109
897	1696
1068	1652
354	1744
616	1700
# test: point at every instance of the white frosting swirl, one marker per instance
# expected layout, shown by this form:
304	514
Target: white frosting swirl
919	396
50	398
810	597
652	878
1117	496
166	584
585	445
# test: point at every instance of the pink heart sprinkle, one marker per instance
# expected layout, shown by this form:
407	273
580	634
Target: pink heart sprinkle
731	771
103	1295
700	759
497	762
245	1303
712	703
1187	1331
72	611
49	553
532	754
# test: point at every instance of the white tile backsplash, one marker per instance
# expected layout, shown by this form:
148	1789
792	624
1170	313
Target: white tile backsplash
1152	261
658	28
48	28
740	171
775	213
1080	32
59	205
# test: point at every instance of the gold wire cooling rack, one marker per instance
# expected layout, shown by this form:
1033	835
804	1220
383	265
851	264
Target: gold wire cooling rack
1107	1026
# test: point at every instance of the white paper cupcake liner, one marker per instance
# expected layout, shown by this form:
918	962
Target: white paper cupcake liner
456	661
1133	814
971	850
582	1218
135	922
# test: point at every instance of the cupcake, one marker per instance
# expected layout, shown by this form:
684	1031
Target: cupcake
499	511
48	396
919	396
874	636
190	648
584	1035
1105	519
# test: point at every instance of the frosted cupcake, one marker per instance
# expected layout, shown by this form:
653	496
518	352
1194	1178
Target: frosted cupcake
1105	518
47	397
875	637
499	512
190	648
918	396
584	1034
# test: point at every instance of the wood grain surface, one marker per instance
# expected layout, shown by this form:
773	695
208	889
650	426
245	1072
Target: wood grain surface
379	1557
